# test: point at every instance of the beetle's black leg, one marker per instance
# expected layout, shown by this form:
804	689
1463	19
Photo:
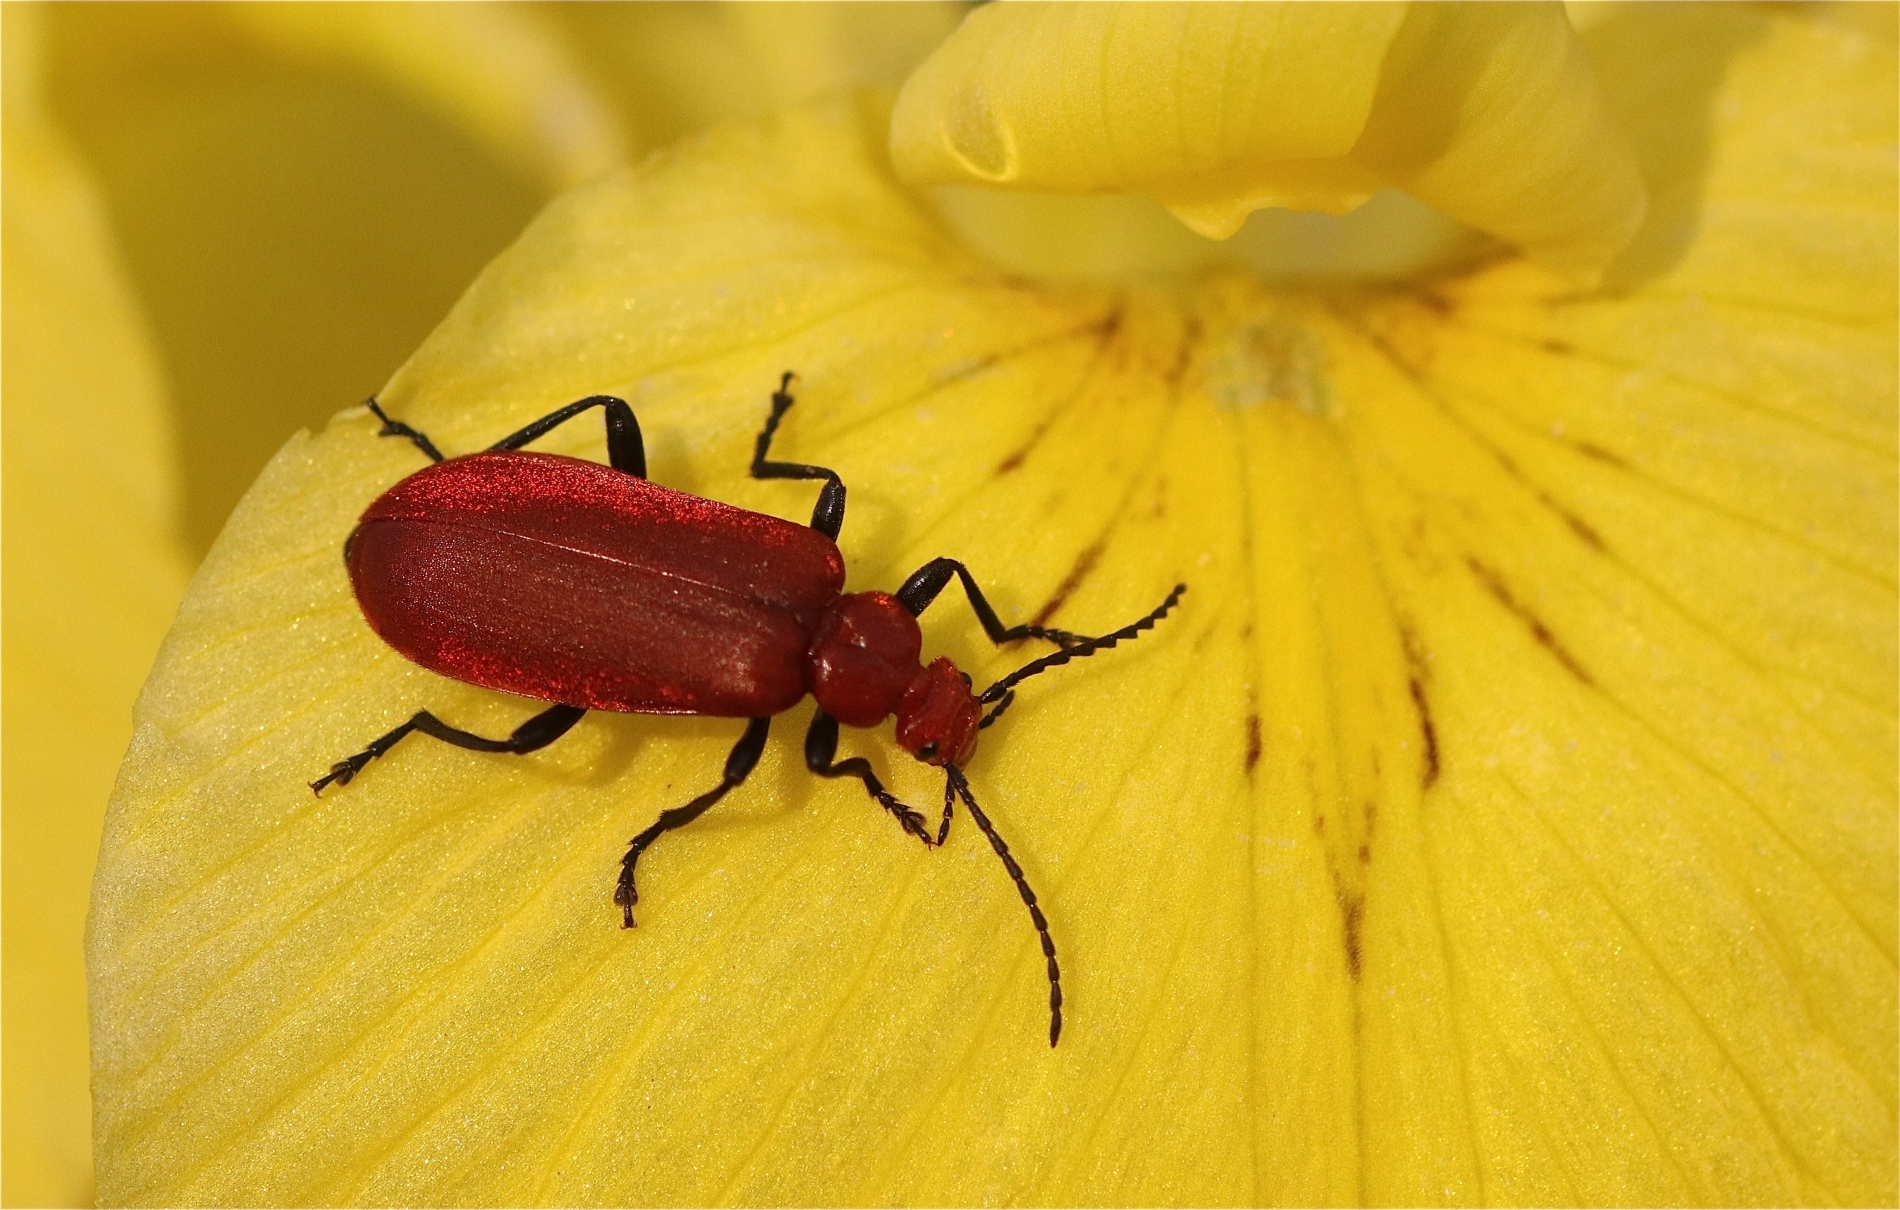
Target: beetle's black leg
955	780
739	763
538	732
827	517
930	579
821	744
396	428
626	451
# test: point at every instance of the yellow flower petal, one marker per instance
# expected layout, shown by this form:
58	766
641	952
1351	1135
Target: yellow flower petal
91	575
1487	112
1507	814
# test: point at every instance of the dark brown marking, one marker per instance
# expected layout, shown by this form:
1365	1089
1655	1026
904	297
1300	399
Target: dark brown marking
1590	450
1436	303
1084	564
1351	908
1104	332
1580	527
1562	348
1184	355
1417	674
1319	825
1497	588
1253	742
1365	854
1428	772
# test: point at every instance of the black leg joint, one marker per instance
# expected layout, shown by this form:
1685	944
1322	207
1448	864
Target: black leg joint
827	516
931	579
626	450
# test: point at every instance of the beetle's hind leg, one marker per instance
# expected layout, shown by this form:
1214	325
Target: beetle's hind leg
827	516
396	428
821	744
537	733
626	449
739	763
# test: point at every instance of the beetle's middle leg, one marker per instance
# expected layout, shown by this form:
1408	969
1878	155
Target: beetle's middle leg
537	733
739	763
827	516
821	744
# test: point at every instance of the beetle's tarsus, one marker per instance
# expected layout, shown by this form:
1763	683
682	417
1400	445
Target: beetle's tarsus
626	897
339	774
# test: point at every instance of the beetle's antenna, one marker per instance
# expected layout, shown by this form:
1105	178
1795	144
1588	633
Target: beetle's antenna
1003	691
949	801
954	779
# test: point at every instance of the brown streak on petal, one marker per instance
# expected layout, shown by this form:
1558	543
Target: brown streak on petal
1579	527
1562	348
1589	450
1105	331
1084	564
1253	742
1351	909
1428	732
1184	356
1494	584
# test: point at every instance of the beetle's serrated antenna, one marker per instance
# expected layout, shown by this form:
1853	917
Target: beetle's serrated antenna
1002	689
954	778
949	801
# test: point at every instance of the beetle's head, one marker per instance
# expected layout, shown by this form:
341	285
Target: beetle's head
938	716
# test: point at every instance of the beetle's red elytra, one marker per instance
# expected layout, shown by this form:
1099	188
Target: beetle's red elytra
590	587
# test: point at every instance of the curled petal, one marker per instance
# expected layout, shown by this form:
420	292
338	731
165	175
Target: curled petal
1488	112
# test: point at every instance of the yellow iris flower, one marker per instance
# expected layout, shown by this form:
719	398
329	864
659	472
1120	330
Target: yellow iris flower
1506	815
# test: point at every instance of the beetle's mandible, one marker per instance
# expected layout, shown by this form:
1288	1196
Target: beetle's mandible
590	587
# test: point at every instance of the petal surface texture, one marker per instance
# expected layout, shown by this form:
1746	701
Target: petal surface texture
1507	813
1486	111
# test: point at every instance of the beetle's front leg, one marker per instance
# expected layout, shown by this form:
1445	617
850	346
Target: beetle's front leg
821	744
739	763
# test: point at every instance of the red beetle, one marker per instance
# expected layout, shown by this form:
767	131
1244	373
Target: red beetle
588	586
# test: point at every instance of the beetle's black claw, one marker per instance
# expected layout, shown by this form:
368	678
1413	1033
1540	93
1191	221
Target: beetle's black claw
340	774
